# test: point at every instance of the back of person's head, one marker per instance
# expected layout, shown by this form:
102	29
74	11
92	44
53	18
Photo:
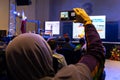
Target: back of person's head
67	39
29	57
53	43
82	41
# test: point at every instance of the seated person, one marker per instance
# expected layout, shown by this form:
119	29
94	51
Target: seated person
3	45
68	44
61	62
81	45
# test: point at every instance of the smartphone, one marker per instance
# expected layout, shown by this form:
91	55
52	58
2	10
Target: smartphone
67	15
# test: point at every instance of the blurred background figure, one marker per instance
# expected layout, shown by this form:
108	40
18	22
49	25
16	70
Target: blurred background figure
80	49
81	45
23	22
68	44
58	59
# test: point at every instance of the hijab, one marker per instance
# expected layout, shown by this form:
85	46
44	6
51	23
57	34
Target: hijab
29	57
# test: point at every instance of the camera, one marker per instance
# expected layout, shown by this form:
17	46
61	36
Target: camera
67	15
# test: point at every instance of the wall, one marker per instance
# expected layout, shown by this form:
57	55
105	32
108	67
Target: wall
49	9
110	8
29	11
43	10
4	14
38	10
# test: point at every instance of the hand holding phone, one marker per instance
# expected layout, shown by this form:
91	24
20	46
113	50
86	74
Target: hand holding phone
82	16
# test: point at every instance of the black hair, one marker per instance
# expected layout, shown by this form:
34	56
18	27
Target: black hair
53	43
67	39
82	41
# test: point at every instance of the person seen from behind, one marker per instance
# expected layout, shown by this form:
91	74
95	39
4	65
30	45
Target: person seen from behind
81	45
68	44
29	57
58	59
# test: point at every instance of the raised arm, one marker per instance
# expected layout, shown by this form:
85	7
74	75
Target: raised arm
91	65
94	57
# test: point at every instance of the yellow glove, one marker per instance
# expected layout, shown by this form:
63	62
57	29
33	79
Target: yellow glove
82	16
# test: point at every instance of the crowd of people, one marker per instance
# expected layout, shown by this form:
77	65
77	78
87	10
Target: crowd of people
30	57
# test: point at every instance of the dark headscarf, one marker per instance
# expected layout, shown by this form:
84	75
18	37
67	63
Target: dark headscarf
29	57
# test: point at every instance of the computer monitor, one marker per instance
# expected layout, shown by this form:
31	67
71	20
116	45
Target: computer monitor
98	21
78	31
100	24
52	27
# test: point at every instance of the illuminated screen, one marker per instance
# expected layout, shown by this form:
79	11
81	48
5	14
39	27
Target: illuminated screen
100	24
52	27
98	21
64	15
78	30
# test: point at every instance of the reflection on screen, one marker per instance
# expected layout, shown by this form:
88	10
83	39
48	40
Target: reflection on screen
52	27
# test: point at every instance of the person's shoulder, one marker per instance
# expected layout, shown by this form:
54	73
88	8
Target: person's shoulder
56	55
74	72
47	78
